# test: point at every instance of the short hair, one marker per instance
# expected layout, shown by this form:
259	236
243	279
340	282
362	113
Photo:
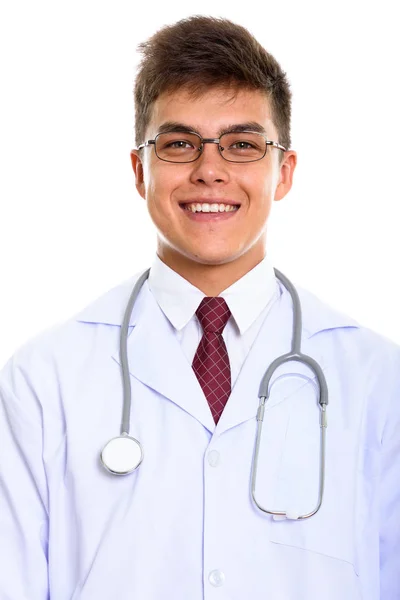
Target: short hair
202	52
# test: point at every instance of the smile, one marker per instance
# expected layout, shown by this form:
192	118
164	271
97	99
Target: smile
204	207
210	212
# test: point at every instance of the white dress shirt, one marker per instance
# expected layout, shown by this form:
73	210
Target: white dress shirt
249	299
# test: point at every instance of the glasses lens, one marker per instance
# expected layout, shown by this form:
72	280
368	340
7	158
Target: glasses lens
178	147
243	147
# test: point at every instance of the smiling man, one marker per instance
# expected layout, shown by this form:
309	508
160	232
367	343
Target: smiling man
210	202
225	479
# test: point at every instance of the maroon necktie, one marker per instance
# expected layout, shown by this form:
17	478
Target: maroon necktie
211	361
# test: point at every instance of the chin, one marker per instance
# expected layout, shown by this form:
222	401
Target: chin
212	258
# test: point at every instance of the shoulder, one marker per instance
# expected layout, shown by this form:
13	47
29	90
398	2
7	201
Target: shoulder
345	335
69	341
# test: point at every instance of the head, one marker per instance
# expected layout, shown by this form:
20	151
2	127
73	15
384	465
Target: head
209	75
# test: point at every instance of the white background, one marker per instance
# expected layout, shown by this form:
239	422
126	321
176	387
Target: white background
72	223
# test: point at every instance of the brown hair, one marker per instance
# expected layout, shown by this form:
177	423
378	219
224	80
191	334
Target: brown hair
201	52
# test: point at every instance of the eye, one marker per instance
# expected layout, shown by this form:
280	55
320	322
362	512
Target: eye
242	145
179	144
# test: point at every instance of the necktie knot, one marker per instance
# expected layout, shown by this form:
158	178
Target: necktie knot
213	314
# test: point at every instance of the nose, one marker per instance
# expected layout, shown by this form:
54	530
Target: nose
210	167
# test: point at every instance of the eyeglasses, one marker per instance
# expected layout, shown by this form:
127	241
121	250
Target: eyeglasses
178	147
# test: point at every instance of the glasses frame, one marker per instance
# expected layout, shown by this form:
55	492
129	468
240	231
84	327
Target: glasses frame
211	141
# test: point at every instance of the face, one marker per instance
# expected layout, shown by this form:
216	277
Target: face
236	237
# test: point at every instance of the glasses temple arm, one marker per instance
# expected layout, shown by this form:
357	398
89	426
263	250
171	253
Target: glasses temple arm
276	145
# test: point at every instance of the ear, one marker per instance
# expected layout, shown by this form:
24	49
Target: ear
137	167
286	175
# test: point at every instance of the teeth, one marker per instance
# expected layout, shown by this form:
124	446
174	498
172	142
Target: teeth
206	208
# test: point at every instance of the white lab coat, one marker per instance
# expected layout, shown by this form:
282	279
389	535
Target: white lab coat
183	526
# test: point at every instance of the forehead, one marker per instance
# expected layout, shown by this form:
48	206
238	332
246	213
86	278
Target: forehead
212	111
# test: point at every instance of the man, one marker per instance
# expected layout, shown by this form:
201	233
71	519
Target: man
213	138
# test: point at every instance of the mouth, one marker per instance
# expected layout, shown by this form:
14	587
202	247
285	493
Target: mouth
202	211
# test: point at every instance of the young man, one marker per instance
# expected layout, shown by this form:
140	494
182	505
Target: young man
190	522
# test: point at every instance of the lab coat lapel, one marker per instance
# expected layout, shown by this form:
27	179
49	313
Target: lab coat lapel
273	340
156	359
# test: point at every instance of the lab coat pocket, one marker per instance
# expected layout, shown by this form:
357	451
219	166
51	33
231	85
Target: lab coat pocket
331	531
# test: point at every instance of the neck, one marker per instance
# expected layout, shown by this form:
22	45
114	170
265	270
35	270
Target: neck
211	279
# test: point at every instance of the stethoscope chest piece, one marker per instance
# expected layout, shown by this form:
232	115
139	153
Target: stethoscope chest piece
122	455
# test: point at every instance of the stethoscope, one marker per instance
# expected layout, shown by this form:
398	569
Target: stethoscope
123	454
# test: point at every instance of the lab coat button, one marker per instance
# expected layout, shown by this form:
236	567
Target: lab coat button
216	578
213	458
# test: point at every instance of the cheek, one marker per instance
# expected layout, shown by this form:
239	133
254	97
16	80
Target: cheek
258	187
161	181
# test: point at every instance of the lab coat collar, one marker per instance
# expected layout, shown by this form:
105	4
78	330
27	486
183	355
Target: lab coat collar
109	309
156	358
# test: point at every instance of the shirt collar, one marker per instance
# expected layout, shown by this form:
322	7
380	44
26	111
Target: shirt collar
246	298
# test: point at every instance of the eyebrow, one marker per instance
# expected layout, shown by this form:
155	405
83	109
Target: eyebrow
169	126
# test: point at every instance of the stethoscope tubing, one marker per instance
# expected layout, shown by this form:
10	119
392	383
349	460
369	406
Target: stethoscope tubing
264	392
123	350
